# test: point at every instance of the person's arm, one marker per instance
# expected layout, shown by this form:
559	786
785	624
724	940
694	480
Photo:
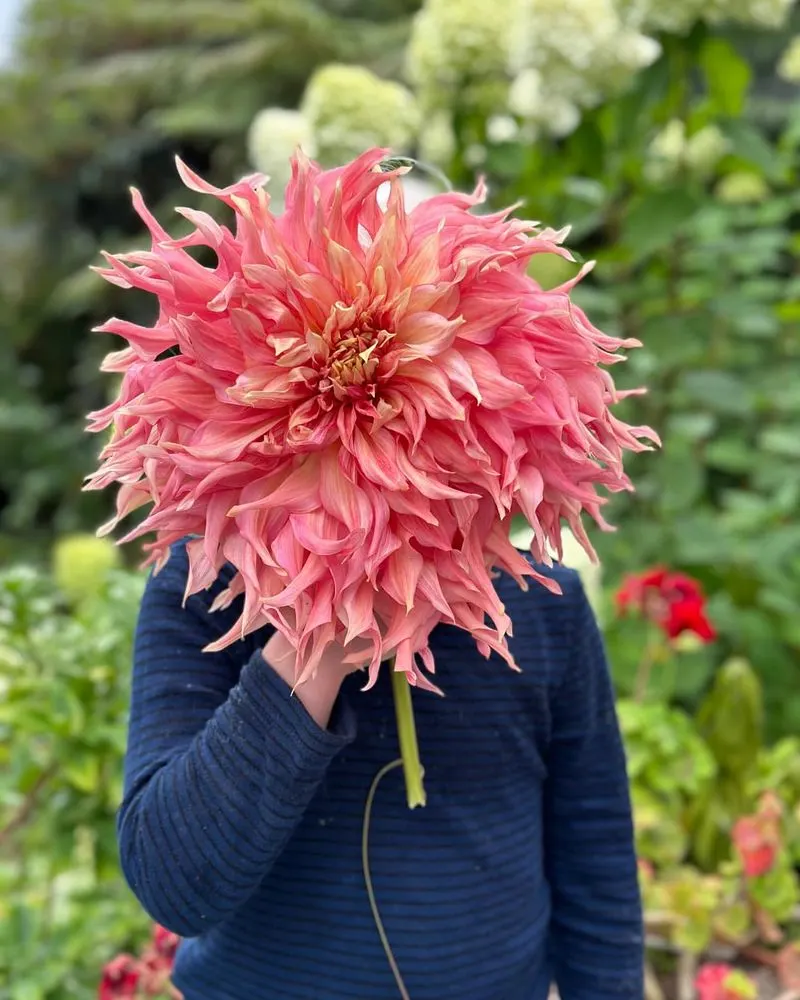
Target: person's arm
596	939
221	763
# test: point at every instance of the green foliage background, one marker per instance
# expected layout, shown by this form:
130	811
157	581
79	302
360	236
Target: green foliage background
102	96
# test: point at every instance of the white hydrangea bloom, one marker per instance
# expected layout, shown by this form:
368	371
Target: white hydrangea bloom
457	40
350	109
789	66
678	16
501	128
527	94
560	117
475	155
570	54
742	188
272	140
672	151
758	13
675	18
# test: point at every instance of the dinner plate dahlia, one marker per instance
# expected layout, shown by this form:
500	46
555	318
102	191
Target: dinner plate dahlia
350	404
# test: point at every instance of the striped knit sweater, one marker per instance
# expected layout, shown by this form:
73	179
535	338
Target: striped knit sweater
241	824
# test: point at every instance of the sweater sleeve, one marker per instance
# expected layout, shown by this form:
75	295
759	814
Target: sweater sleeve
597	936
221	764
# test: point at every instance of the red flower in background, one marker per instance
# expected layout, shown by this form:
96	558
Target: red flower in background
146	976
121	978
674	601
157	961
165	943
757	838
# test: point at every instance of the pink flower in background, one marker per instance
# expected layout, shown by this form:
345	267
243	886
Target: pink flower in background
757	838
722	982
350	405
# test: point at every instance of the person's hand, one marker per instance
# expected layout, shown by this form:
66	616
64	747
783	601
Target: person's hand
318	694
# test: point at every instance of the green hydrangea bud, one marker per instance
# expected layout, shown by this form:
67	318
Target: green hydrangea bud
666	153
672	151
704	150
81	564
275	135
742	188
789	66
350	109
437	138
455	42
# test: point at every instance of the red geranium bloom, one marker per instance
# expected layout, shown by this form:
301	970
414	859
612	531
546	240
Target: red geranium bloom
120	978
689	615
165	942
673	601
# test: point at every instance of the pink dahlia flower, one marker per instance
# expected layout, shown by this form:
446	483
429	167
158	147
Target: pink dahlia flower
350	405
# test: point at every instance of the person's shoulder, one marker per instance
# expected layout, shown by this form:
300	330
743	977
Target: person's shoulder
548	620
556	590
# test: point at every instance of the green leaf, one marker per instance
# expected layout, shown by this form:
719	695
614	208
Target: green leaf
681	477
729	454
655	219
82	771
734	920
693	934
727	75
781	441
27	989
721	391
692	426
749	145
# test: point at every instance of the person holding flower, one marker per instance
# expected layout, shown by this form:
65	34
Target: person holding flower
336	424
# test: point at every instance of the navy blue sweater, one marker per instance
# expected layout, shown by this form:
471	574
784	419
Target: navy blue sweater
241	824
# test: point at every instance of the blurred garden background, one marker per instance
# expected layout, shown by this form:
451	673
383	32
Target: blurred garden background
667	135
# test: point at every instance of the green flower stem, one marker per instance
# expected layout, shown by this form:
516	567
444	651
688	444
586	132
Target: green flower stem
407	731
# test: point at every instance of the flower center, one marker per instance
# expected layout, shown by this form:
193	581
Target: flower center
351	368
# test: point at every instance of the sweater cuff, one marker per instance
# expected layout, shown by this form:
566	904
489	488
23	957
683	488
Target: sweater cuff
267	697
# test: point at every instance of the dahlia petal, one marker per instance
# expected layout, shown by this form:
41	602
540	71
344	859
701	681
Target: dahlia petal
196	183
357	610
320	544
431	384
400	576
147	342
297	493
376	456
428	333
